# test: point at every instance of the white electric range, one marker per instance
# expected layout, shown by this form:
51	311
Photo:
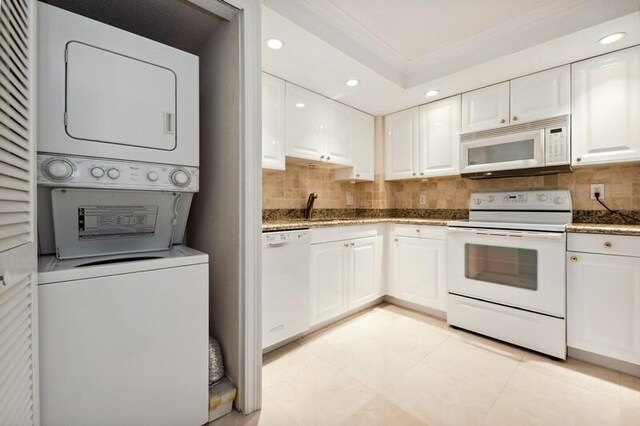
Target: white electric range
506	268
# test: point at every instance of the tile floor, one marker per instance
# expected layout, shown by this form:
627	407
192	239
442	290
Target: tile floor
391	366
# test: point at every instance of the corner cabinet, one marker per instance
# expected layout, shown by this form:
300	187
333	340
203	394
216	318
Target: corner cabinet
401	134
361	134
345	274
606	106
417	271
273	122
603	295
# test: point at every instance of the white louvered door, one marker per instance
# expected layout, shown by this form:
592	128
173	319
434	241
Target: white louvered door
18	258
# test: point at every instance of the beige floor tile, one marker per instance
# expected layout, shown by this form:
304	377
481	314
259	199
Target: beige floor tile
411	338
370	363
438	399
533	398
630	389
276	365
380	412
489	344
587	376
324	342
630	415
271	414
320	395
483	369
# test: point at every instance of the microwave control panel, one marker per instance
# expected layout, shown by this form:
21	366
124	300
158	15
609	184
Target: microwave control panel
556	146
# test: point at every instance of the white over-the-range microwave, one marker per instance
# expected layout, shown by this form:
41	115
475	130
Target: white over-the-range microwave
534	148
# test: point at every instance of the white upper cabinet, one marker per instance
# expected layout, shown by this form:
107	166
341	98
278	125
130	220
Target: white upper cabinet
363	143
273	122
317	128
541	95
401	134
606	108
439	138
485	108
338	149
307	117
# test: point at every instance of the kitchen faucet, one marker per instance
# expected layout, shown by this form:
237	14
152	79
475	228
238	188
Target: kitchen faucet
310	200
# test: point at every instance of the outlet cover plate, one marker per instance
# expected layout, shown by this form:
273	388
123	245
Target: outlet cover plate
597	187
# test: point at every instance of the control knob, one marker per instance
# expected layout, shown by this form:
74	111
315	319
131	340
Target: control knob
59	169
113	173
152	176
180	178
477	201
97	172
543	197
559	200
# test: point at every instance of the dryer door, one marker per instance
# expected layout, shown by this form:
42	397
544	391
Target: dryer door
116	99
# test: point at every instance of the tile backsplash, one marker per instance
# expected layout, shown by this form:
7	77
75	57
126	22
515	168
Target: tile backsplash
289	189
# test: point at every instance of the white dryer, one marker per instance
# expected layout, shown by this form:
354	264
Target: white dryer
124	339
107	93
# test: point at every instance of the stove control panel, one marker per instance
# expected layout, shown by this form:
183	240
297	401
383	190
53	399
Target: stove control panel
84	172
521	200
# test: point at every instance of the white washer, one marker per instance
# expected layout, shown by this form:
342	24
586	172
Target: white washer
124	339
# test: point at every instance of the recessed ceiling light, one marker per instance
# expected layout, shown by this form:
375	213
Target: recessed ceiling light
611	38
274	43
352	82
432	92
299	105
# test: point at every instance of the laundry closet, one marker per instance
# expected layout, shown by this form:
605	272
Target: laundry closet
141	122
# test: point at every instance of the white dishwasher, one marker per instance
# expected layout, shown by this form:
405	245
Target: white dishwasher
285	285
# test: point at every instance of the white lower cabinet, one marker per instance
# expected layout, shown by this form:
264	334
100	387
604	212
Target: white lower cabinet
345	274
603	295
418	268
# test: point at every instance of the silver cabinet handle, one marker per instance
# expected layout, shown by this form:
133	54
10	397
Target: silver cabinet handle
574	258
608	244
328	158
346	244
352	244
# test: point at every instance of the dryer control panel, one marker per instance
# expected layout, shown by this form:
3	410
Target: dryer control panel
84	172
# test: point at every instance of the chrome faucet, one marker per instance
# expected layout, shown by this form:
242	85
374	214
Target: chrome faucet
310	200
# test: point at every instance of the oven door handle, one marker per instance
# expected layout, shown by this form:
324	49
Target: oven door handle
512	234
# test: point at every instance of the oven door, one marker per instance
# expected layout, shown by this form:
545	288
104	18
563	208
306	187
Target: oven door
514	151
522	269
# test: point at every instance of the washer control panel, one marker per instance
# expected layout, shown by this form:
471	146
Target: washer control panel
68	171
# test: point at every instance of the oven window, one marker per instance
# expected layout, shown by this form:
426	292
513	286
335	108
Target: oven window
512	151
515	267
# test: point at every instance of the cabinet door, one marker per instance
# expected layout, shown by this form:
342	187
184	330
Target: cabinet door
419	271
439	138
485	108
338	142
401	135
306	121
328	280
273	124
364	144
603	305
541	95
365	262
606	107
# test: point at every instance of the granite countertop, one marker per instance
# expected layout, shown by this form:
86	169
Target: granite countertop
600	228
287	224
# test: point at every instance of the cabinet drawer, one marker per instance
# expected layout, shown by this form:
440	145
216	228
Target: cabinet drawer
620	245
421	231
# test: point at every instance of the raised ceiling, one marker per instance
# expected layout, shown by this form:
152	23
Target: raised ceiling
412	44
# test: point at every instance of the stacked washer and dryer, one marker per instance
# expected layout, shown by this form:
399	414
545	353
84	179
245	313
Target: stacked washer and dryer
123	306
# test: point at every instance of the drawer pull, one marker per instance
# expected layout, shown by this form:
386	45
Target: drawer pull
574	258
352	244
346	244
608	244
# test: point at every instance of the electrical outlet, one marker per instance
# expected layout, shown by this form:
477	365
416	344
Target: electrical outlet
597	187
423	199
349	199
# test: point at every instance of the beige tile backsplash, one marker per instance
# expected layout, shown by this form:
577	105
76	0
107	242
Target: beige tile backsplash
289	189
